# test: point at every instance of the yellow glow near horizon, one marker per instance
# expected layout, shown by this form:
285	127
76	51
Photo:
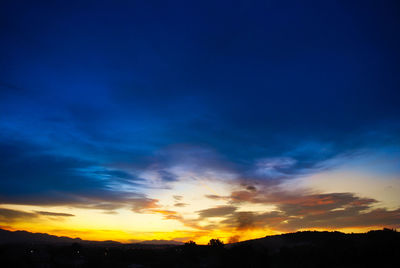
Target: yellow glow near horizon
166	221
94	225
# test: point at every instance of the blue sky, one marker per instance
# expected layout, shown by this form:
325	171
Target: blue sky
101	102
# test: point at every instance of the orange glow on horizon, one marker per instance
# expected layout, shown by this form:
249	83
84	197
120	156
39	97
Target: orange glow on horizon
201	238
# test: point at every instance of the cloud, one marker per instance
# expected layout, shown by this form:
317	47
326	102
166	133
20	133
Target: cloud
179	161
251	188
54	214
142	205
180	204
174	215
300	210
352	216
321	203
167	176
274	167
10	215
215	197
177	197
168	214
33	176
48	178
216	212
88	143
247	220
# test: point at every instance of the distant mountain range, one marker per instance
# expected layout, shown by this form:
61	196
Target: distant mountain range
269	242
18	237
24	237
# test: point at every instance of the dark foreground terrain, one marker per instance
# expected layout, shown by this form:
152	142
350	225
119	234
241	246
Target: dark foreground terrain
301	249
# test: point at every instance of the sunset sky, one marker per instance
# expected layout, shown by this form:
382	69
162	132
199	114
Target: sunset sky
191	120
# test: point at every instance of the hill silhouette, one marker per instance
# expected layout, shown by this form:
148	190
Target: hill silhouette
24	237
21	237
380	248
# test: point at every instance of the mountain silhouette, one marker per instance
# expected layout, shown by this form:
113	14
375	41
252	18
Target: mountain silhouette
24	237
306	249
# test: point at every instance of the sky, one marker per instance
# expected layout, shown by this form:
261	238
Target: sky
192	120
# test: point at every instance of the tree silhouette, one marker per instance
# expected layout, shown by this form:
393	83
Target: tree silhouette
190	244
216	243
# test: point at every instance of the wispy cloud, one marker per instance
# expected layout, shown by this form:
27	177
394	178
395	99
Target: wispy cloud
54	214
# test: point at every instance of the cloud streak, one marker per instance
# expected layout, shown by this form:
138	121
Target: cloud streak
13	216
54	214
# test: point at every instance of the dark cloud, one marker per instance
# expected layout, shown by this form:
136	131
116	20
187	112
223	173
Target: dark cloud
251	188
352	216
10	215
245	220
304	211
31	175
220	211
322	203
54	214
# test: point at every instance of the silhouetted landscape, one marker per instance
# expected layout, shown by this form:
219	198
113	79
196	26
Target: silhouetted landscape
380	248
194	134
